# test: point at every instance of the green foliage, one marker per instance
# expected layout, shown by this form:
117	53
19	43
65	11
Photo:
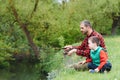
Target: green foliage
5	56
51	21
12	39
50	59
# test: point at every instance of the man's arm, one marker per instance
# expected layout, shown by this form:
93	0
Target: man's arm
84	53
82	50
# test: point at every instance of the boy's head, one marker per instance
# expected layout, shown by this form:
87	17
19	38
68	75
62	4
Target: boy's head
93	42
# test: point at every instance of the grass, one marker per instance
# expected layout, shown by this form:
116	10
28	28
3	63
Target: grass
112	44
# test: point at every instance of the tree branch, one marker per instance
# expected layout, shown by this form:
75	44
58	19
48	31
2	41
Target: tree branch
35	8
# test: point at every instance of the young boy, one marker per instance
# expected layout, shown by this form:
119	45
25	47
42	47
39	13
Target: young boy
98	61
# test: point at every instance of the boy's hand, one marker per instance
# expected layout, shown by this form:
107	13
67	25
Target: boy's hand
96	70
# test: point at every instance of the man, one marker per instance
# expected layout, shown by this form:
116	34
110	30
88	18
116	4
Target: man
83	49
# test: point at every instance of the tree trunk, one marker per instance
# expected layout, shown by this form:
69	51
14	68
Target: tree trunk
25	30
116	21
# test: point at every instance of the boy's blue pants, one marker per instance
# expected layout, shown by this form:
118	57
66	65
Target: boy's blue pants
106	67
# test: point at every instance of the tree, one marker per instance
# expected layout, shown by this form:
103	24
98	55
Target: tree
24	27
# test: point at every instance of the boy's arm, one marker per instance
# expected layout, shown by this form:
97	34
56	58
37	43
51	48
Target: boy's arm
103	60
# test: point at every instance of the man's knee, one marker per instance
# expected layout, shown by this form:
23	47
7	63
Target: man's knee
81	67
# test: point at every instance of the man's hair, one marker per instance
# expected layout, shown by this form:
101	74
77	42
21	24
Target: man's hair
86	23
95	39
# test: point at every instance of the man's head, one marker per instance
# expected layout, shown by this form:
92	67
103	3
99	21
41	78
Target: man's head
85	27
93	42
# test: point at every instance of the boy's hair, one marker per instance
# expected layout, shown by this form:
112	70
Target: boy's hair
95	39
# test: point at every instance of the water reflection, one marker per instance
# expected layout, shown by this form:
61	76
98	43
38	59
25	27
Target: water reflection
21	71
